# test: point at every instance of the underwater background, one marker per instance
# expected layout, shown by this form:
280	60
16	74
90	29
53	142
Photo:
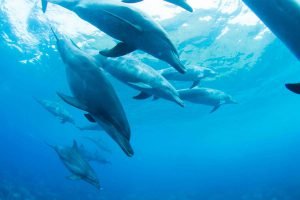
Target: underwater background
248	151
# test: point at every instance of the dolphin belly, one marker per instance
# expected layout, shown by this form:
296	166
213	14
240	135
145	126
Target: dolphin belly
282	17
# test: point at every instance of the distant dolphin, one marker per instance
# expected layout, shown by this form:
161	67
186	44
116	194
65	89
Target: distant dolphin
76	164
99	143
141	77
57	110
133	29
181	3
93	156
283	18
193	73
206	96
94	94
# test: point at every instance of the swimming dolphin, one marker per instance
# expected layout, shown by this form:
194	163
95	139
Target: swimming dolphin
206	96
57	110
94	94
93	156
141	77
283	19
193	73
99	143
76	164
181	3
132	28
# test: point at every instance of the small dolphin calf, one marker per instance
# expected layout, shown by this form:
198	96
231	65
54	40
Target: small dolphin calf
133	29
77	164
181	3
206	96
94	94
193	73
141	77
57	110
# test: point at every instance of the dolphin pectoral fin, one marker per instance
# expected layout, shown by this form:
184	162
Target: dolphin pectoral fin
72	101
195	84
215	108
44	5
293	87
120	49
142	95
74	177
90	118
131	1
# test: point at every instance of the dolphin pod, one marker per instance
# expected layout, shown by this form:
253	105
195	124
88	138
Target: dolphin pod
206	96
56	110
132	28
75	162
94	94
141	77
181	3
193	73
282	17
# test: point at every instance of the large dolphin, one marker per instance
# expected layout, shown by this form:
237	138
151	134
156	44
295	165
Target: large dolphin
94	94
141	77
133	29
283	19
193	73
56	110
206	96
181	3
77	164
94	156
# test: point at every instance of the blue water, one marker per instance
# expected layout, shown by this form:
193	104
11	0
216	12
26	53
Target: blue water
248	151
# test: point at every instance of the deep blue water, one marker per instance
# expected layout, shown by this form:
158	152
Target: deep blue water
248	151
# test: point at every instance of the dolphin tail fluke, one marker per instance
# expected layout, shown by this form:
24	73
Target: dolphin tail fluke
294	87
44	5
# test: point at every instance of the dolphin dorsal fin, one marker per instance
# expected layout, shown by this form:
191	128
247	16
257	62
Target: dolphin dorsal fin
135	27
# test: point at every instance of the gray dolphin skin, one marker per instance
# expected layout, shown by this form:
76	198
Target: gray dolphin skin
141	77
94	156
77	164
132	28
56	110
206	96
283	19
94	94
181	3
193	73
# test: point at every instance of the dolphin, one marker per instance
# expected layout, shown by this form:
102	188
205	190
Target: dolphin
181	3
99	143
141	77
206	96
193	73
94	94
93	156
282	17
77	164
56	110
132	28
